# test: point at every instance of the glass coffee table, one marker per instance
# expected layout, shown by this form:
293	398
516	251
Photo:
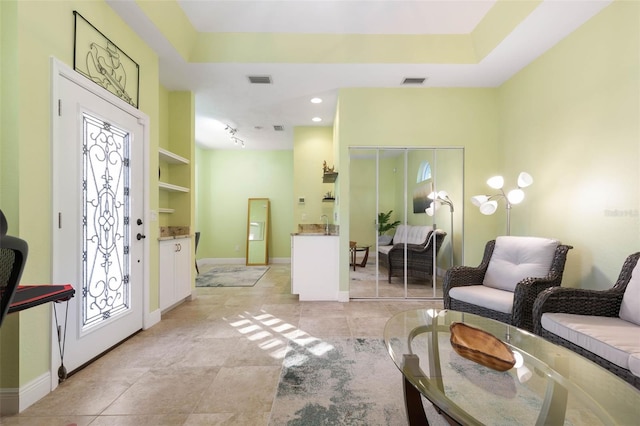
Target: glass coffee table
548	384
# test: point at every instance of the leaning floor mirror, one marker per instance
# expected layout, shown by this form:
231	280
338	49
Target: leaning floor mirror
257	232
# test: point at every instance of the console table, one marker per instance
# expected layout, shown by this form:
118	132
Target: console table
548	385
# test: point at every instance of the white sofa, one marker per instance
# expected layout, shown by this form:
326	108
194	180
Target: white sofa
603	326
418	240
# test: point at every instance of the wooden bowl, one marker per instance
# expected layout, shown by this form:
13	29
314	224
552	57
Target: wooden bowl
481	347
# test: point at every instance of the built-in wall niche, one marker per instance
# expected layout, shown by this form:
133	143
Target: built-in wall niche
421	187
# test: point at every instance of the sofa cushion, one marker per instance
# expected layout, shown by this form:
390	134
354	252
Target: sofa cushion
634	364
411	234
630	308
487	297
608	337
517	258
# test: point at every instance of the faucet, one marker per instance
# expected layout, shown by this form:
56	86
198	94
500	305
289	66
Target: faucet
326	226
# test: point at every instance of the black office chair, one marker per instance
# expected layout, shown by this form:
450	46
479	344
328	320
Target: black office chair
13	256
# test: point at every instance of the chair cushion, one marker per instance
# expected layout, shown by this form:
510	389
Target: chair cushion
630	308
608	337
384	249
517	258
411	234
634	364
487	297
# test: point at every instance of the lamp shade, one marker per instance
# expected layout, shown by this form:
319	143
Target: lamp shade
433	195
515	196
489	207
478	200
496	182
524	180
431	210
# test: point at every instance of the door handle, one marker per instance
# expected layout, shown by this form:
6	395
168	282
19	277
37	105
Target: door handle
140	236
139	221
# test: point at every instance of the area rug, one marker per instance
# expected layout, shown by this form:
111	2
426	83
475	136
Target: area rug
340	382
231	276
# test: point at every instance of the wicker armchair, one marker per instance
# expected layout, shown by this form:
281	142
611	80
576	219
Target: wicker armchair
419	257
597	303
521	300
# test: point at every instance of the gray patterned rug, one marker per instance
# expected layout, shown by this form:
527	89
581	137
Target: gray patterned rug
340	382
231	276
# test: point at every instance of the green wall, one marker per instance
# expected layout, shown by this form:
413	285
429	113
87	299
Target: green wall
32	32
225	180
571	119
430	117
311	147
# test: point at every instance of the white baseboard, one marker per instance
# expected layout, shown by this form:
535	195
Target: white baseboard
343	296
151	319
16	400
221	261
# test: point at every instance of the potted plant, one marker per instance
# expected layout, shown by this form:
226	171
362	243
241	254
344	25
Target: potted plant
384	224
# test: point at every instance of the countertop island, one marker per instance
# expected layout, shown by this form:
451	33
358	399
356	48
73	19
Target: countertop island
314	264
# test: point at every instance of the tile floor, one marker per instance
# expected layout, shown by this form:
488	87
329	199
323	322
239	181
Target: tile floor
215	360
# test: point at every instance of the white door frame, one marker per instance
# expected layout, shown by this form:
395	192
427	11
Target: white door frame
59	69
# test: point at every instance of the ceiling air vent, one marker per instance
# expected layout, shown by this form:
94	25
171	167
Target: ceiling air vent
259	79
278	128
413	80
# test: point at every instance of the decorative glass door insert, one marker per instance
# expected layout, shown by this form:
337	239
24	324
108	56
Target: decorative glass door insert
105	223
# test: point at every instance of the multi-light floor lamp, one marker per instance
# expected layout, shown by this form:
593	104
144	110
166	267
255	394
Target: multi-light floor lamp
488	204
439	198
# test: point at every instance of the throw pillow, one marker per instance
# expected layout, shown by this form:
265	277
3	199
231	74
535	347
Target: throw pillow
384	240
630	308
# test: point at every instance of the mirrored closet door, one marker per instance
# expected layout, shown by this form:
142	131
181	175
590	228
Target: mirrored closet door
406	223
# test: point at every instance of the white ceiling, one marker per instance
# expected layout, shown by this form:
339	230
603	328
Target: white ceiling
224	94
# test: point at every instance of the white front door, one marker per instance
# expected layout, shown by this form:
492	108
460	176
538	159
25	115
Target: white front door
98	204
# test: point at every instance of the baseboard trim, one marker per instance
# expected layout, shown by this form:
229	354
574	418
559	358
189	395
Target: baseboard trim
151	319
16	400
343	296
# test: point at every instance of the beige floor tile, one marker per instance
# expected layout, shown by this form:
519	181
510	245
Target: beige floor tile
213	360
147	420
326	327
164	391
79	397
238	390
228	419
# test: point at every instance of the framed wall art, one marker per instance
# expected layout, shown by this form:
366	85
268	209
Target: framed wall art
101	61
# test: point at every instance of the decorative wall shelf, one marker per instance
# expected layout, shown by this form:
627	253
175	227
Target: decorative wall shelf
172	188
170	157
328	200
164	210
330	177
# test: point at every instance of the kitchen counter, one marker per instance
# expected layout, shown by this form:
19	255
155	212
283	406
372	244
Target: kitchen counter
174	237
314	266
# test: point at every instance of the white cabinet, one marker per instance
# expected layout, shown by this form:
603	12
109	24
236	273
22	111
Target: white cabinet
175	271
314	267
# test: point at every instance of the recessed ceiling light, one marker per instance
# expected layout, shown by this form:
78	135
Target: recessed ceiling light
316	119
316	100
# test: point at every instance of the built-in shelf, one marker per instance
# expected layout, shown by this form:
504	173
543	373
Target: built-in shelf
163	210
170	157
330	177
172	188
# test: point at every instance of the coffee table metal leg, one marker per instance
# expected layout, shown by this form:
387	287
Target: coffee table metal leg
413	404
